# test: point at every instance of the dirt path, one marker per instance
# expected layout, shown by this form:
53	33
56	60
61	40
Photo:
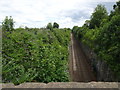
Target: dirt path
80	70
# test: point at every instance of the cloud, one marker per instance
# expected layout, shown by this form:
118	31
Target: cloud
37	13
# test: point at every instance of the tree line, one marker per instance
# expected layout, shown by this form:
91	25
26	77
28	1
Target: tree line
102	34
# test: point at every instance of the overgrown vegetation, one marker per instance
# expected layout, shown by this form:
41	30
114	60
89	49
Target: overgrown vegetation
33	54
41	55
102	34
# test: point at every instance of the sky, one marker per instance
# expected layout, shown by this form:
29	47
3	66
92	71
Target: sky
38	13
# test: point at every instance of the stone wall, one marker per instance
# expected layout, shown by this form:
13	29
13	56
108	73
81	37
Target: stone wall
101	69
64	86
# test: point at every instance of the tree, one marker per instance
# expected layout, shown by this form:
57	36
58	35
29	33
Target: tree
117	7
55	25
99	13
8	24
118	4
116	10
74	29
49	26
87	23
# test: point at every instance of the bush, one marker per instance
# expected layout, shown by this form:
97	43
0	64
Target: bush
35	55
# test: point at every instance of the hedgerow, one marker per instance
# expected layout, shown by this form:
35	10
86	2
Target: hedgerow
35	55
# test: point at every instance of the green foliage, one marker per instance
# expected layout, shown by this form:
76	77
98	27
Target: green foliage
63	39
100	13
55	25
35	55
7	24
109	37
49	26
78	31
105	39
116	10
87	23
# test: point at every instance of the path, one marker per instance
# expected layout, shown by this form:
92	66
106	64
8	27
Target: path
80	70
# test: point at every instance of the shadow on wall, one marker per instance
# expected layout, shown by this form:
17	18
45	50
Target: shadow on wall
101	69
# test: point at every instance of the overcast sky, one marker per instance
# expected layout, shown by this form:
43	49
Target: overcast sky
37	13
